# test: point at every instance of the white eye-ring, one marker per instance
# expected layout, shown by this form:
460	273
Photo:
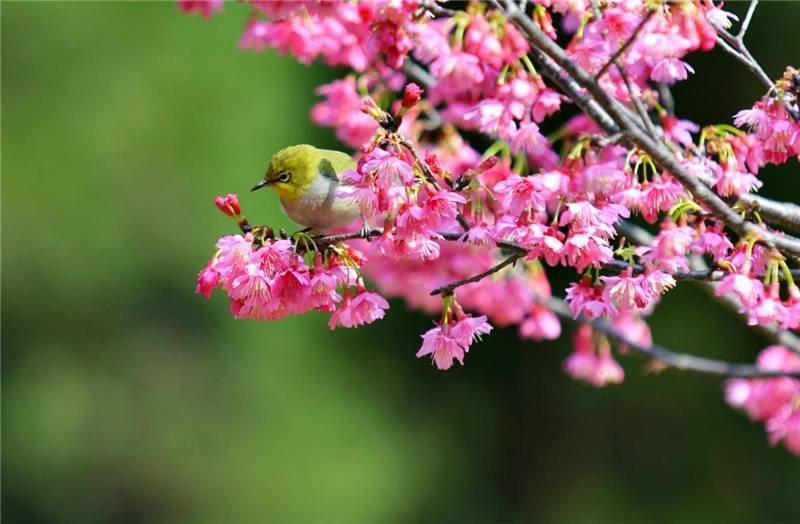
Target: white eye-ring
284	177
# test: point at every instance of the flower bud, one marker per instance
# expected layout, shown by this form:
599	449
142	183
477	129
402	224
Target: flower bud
229	204
207	280
433	162
411	96
369	107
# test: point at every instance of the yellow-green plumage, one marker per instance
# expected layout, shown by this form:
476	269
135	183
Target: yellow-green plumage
305	179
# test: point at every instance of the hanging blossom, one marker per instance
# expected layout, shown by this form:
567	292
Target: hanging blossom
773	401
550	191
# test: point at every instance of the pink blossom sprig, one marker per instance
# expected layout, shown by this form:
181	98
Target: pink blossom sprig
773	401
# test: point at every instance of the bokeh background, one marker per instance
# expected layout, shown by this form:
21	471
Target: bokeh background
128	398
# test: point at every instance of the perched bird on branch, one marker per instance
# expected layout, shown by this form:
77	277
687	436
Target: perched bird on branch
305	178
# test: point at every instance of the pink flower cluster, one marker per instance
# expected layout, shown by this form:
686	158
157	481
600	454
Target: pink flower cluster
265	279
449	212
449	341
760	299
776	134
773	401
591	360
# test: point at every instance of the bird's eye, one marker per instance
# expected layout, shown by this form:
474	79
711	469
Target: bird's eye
284	177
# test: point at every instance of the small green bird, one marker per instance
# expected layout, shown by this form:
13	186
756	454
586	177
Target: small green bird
305	179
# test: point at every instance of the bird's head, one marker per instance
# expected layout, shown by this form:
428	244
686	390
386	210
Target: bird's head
290	171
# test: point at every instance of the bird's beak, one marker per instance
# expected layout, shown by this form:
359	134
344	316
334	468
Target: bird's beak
260	185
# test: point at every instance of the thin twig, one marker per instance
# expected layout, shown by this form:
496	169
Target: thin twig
449	288
748	62
637	102
436	9
426	170
746	22
629	42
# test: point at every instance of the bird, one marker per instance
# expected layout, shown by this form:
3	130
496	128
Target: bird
305	178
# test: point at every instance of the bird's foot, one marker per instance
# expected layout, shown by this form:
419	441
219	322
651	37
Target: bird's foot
366	231
306	238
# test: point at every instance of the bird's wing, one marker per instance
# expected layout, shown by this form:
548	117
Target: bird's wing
333	163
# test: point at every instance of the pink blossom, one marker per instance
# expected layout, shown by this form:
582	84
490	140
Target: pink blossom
712	241
448	342
364	308
411	95
387	167
634	328
530	140
748	290
588	300
586	247
492	117
207	280
518	193
204	7
768	310
469	330
457	73
785	426
626	291
340	110
774	401
670	70
540	324
669	249
659	195
593	365
718	17
442	346
679	130
229	204
547	103
734	182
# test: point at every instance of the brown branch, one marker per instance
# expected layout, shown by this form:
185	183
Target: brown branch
694	275
735	47
667	357
449	288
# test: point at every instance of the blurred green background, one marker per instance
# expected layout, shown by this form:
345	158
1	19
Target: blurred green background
128	398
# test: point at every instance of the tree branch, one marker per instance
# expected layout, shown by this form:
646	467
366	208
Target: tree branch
694	275
667	357
785	215
734	46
